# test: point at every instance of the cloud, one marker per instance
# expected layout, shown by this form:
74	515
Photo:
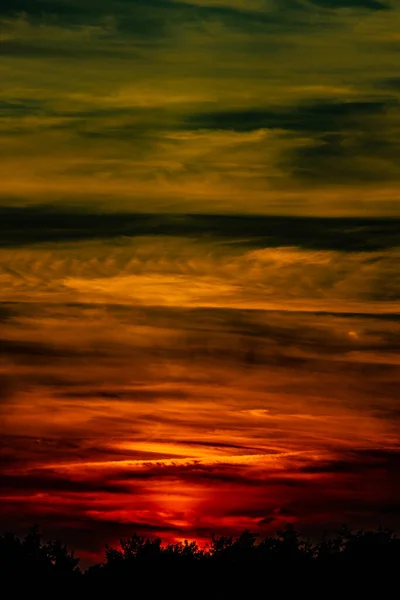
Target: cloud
8	388
159	17
391	83
33	350
6	312
55	50
224	272
50	223
354	4
43	482
342	141
382	460
42	7
318	117
9	108
290	166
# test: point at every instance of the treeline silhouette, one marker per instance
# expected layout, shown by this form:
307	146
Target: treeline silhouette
224	559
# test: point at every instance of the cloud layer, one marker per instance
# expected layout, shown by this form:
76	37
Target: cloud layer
276	108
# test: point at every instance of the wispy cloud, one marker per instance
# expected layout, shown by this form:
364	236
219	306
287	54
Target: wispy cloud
326	129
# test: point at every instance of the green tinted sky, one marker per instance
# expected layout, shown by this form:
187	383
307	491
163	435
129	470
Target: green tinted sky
269	106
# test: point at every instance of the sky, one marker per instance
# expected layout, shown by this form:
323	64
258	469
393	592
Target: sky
199	250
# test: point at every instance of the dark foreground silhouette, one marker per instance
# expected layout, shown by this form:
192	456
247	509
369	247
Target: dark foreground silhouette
220	568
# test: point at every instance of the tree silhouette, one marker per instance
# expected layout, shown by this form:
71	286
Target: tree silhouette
227	562
31	557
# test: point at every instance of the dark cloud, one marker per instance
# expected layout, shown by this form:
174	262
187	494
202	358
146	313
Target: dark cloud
356	4
384	412
336	467
214	444
379	455
223	474
7	312
357	461
267	520
268	19
21	107
43	224
18	452
147	17
310	336
345	158
8	387
306	117
53	483
347	140
157	18
38	351
202	318
43	7
145	395
390	83
51	50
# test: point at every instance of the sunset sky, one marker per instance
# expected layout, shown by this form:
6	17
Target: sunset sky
199	267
